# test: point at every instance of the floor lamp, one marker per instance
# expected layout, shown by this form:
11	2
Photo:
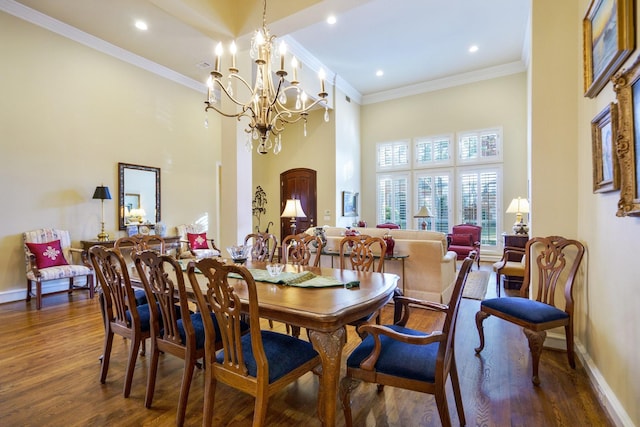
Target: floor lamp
293	210
102	193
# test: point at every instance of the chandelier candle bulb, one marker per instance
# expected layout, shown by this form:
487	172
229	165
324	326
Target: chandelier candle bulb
233	50
294	66
283	51
218	55
322	76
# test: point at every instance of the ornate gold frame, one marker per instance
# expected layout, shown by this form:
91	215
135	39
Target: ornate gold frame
628	139
604	150
599	29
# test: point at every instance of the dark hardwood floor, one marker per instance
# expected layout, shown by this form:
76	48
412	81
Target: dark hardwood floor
49	376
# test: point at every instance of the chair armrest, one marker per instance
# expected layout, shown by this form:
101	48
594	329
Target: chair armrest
32	262
376	330
83	256
405	303
213	245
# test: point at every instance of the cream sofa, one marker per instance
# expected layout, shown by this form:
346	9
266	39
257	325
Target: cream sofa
429	271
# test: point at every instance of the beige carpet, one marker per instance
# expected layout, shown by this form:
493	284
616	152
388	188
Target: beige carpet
476	286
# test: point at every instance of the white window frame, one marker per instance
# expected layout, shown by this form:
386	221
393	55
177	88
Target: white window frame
449	172
479	134
394	145
394	176
417	164
497	168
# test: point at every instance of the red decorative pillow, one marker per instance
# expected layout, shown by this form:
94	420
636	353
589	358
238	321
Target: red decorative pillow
461	240
197	241
48	254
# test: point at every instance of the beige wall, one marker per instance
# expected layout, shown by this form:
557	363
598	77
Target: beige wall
68	115
490	103
608	307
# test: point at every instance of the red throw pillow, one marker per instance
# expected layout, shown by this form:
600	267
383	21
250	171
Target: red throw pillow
461	240
48	254
197	241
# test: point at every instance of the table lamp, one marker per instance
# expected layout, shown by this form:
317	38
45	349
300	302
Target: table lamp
293	210
519	206
423	213
103	194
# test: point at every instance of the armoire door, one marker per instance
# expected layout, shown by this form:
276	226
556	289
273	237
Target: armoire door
299	184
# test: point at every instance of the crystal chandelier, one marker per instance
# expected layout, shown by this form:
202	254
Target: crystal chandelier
266	107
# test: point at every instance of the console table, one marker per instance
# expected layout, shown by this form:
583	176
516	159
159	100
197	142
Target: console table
171	242
395	257
514	241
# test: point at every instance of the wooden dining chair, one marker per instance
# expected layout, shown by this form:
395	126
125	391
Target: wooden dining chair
550	263
259	363
175	329
297	249
360	253
397	356
129	245
263	246
121	314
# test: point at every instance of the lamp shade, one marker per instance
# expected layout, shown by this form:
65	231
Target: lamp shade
518	205
424	212
102	193
293	209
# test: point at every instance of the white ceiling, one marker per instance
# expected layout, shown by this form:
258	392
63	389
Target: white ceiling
413	41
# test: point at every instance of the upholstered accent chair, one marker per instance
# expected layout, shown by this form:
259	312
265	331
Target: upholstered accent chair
389	226
195	243
507	266
49	256
259	363
397	356
551	264
120	311
465	238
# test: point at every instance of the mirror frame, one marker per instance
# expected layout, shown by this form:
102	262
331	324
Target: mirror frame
121	169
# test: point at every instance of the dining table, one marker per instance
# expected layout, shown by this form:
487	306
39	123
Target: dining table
324	306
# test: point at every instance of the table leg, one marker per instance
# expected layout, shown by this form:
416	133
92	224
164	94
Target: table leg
329	345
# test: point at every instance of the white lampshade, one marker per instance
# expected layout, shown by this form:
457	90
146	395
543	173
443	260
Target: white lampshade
518	205
293	209
424	212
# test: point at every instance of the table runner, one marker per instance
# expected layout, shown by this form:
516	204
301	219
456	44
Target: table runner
305	279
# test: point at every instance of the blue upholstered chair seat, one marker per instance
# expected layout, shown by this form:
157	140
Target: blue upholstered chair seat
284	354
141	297
145	317
525	309
198	326
417	362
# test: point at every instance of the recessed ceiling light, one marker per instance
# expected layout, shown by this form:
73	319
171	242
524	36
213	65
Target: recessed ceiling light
473	48
379	73
141	25
331	20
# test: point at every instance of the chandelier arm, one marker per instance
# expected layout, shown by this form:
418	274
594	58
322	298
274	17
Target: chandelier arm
230	96
302	110
243	113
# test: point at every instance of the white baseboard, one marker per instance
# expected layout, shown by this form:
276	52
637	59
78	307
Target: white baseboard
604	394
19	294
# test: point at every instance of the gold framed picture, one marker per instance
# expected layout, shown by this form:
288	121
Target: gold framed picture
604	130
608	35
627	87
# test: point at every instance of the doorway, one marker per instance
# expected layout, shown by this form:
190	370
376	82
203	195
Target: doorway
298	184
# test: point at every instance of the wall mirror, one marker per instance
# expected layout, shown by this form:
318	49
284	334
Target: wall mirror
139	194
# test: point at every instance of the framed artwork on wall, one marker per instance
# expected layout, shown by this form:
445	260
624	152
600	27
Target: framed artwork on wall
627	87
349	203
608	37
604	130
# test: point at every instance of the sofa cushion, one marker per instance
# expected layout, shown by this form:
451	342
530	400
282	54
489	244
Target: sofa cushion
47	254
462	240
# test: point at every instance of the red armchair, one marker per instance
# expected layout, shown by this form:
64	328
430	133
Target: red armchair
465	238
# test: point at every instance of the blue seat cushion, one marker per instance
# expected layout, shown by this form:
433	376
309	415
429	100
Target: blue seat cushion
198	326
141	296
417	362
145	317
284	353
525	309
